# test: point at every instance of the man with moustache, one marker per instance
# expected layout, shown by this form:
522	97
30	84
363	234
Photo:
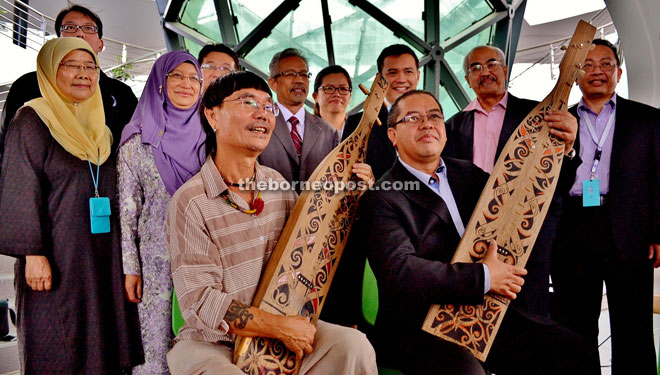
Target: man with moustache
410	237
301	140
216	60
480	132
221	235
119	102
610	224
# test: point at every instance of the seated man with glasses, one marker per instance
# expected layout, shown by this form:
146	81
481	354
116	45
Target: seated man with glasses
118	99
222	231
216	60
301	140
410	236
480	132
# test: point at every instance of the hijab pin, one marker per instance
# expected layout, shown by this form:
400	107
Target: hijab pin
160	89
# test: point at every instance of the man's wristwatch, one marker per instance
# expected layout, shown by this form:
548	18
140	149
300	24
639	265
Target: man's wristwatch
571	154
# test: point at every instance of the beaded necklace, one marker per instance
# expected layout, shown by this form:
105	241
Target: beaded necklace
257	204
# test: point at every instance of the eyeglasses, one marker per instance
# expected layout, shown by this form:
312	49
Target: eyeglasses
331	90
87	29
293	74
605	66
178	78
216	67
253	105
417	119
490	66
72	67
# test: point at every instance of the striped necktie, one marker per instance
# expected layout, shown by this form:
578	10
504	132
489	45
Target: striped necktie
295	136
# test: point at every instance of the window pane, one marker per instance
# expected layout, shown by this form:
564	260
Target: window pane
449	108
201	16
457	15
407	13
250	13
192	47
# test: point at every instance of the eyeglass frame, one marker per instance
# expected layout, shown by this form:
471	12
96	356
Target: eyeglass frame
293	74
334	89
494	63
423	118
79	27
189	78
80	67
600	66
216	67
274	113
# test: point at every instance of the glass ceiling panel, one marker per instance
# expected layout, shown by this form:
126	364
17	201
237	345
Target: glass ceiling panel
457	15
358	40
201	16
449	108
407	13
250	13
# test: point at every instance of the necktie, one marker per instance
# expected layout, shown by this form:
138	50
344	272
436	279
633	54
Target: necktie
295	136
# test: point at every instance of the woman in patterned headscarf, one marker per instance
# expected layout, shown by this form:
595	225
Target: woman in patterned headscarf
59	219
159	151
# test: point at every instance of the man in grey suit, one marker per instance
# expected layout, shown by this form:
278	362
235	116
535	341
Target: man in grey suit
301	140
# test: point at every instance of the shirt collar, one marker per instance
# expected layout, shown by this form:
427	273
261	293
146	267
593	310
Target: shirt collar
476	106
441	171
583	107
300	115
214	185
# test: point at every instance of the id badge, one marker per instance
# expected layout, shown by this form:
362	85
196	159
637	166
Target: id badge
99	214
591	193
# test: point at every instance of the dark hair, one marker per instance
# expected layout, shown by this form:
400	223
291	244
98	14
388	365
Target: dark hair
603	42
395	111
217	47
218	91
332	69
274	66
79	9
395	50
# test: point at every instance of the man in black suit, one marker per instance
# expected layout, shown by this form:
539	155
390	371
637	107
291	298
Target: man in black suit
410	236
399	65
119	102
300	140
480	132
610	225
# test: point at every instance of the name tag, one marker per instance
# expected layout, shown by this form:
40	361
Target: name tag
99	214
591	193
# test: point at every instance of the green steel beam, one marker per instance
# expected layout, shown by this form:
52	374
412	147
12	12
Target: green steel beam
399	30
327	28
169	10
473	30
431	18
188	33
226	22
265	27
454	88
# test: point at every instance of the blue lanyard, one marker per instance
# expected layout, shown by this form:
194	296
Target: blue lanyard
95	181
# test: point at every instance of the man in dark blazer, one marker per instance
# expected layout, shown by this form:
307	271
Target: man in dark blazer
399	65
295	153
611	232
119	102
480	132
410	235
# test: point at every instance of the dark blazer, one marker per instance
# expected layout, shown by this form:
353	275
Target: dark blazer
410	238
380	152
634	193
318	140
533	300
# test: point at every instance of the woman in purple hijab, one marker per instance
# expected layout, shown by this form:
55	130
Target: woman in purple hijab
159	151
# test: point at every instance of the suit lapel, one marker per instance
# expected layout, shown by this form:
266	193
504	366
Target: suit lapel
284	137
423	196
312	131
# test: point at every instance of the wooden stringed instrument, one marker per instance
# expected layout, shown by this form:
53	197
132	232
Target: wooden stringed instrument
300	270
512	208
